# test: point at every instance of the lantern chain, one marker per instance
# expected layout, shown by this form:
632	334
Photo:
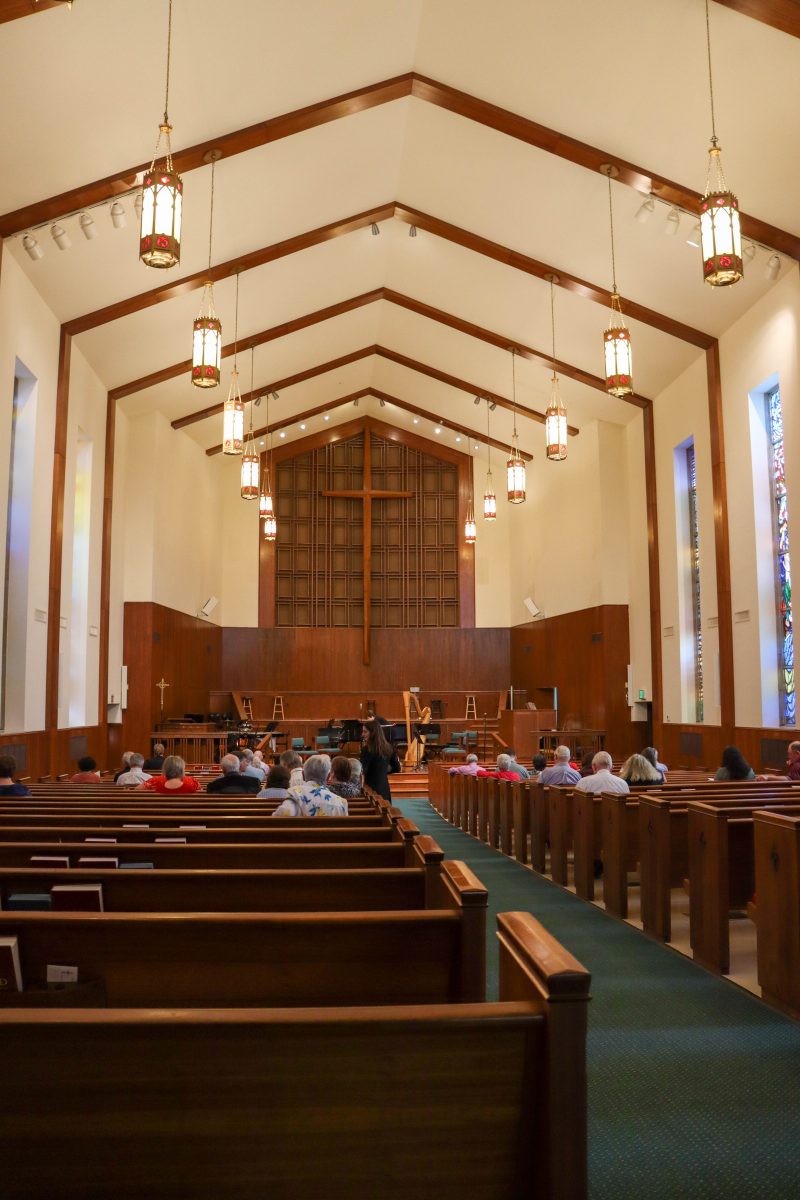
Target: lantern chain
169	55
488	437
252	388
553	322
236	324
514	386
211	214
710	79
613	252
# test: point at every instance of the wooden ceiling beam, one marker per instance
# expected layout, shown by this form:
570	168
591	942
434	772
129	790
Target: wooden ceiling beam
446	423
246	262
12	10
256	339
547	271
780	14
334	364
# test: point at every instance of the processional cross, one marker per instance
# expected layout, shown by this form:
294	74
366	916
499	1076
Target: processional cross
161	685
367	494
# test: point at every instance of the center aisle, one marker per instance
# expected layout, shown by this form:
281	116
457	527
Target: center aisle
694	1085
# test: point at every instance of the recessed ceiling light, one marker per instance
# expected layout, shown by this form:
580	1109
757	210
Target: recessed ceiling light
416	420
282	433
302	424
437	430
327	417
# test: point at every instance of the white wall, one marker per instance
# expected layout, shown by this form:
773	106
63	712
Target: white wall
638	568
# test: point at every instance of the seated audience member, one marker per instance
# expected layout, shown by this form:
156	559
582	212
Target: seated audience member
249	767
469	767
340	780
651	754
87	771
156	762
356	773
173	779
277	785
639	772
561	774
233	779
734	766
586	764
294	764
8	769
539	765
793	760
523	772
313	798
126	765
258	761
601	779
135	773
504	769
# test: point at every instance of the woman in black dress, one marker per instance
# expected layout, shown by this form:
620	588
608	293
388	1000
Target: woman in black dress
378	759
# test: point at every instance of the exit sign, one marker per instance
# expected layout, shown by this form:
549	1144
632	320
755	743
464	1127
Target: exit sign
641	693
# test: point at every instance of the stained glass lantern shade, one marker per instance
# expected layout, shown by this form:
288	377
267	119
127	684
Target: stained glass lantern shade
250	470
721	239
515	469
233	419
207	344
489	501
618	356
270	529
160	229
555	425
470	531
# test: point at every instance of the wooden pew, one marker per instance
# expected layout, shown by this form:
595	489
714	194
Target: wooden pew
777	907
211	1102
436	955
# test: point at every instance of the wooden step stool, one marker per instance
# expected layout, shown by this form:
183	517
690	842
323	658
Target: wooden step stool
247	705
471	713
277	709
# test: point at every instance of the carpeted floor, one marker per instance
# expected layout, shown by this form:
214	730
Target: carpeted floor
694	1085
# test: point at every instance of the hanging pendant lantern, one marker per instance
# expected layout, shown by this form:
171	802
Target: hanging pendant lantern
515	467
270	529
207	337
555	424
489	498
720	227
162	195
470	530
265	498
617	338
251	462
266	508
233	408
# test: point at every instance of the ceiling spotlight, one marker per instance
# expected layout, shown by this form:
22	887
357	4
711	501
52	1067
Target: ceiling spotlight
412	231
458	439
302	424
492	405
60	237
437	430
773	269
645	210
327	417
416	420
382	403
137	204
673	222
282	433
263	443
477	400
694	237
375	229
118	218
32	247
749	251
356	402
273	394
88	227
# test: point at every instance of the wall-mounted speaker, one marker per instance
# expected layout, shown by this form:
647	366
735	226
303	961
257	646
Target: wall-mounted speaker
209	606
532	608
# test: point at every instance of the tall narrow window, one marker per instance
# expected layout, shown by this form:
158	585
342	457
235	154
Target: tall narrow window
783	572
694	551
79	619
21	442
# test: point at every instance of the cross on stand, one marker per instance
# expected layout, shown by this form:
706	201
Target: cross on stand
367	494
161	685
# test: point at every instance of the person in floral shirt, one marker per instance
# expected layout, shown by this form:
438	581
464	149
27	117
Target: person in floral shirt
313	798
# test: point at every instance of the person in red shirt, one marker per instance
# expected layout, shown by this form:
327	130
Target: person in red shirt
504	764
174	779
87	771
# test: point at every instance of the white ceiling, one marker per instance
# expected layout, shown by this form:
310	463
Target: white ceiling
629	78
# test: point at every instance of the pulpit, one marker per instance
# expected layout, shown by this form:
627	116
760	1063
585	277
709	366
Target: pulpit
521	728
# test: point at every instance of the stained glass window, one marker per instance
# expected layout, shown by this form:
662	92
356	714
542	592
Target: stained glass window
694	550
783	572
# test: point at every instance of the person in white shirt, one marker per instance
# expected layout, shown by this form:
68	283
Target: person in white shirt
470	767
294	764
134	775
602	780
313	798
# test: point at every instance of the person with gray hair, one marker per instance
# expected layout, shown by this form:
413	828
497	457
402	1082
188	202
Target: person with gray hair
157	761
356	772
601	779
561	774
232	780
126	766
313	798
173	780
249	767
469	767
134	775
505	769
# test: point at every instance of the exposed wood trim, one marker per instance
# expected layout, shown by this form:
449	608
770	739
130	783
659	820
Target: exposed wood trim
542	270
503	447
12	10
463	385
654	570
722	553
592	157
274	426
246	262
193	157
301	376
57	531
780	14
105	560
256	339
367	548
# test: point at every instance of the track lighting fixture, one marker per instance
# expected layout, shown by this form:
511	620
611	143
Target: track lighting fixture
412	231
327	417
382	403
32	247
477	400
87	226
60	237
118	218
645	210
773	268
375	229
492	405
356	402
749	251
673	222
275	395
282	433
137	204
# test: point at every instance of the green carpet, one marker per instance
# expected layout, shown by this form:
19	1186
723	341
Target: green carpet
694	1085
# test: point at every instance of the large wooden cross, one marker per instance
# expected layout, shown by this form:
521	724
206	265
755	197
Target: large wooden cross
367	494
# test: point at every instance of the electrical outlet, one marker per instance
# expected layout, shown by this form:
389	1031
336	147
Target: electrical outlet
56	974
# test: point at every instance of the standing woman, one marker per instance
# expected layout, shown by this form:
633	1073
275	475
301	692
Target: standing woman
378	759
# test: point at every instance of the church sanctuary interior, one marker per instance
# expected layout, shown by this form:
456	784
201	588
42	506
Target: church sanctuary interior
400	463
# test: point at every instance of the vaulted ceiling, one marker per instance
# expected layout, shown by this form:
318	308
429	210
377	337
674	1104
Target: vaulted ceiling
498	201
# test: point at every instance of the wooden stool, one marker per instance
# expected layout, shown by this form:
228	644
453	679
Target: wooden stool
277	709
247	705
471	713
